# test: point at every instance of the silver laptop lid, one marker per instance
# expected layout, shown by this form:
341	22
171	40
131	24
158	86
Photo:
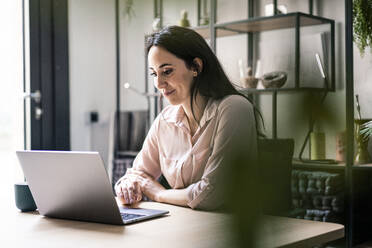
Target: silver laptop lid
70	185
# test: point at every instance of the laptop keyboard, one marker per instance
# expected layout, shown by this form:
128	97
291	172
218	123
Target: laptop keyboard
126	216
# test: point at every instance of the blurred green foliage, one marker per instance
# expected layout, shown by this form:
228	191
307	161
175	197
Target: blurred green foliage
362	24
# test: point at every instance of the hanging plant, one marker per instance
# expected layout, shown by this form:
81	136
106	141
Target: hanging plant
362	24
128	9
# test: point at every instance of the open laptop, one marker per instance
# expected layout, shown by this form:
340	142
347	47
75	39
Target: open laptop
75	185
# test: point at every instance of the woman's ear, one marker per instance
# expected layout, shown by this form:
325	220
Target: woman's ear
198	64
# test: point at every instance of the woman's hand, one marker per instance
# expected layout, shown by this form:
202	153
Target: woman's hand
150	187
128	188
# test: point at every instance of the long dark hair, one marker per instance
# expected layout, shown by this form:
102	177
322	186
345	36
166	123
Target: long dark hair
186	44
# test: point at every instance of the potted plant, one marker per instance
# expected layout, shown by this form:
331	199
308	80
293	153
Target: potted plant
362	24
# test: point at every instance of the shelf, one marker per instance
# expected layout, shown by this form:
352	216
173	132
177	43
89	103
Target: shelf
362	167
204	31
267	23
297	164
269	90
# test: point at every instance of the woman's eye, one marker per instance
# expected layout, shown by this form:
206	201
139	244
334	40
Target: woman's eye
167	72
153	74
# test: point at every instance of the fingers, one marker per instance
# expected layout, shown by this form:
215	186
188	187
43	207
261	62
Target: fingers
128	192
120	195
129	188
133	192
126	195
137	191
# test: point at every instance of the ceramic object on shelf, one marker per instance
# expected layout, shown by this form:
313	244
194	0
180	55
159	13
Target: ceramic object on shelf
275	79
249	82
341	147
317	146
204	19
184	22
156	25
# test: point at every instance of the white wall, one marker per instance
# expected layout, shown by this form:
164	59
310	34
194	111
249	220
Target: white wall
132	42
11	100
363	80
92	71
92	61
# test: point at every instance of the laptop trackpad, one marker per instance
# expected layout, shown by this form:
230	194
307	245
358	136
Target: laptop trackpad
134	214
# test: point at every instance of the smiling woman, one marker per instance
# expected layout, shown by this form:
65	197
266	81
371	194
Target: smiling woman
193	138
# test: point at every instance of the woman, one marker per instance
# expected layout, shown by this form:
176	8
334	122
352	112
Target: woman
190	139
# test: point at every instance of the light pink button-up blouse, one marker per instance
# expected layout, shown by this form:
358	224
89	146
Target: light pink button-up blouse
193	162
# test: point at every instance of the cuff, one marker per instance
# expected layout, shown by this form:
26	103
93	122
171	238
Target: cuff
198	192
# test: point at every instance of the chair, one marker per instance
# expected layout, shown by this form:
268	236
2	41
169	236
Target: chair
275	165
125	145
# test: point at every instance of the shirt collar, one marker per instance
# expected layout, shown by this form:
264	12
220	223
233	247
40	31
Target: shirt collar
209	111
175	114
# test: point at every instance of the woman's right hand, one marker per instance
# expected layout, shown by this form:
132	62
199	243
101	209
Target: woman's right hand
128	189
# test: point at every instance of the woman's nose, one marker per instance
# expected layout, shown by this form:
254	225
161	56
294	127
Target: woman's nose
159	83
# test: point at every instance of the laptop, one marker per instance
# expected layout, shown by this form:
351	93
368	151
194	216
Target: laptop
75	186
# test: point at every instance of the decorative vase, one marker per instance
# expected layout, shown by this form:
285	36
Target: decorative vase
204	19
362	156
341	147
184	22
249	82
275	79
156	25
317	146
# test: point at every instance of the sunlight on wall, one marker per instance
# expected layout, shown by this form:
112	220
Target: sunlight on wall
11	88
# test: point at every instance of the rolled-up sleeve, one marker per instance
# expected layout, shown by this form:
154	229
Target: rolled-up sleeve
235	136
147	160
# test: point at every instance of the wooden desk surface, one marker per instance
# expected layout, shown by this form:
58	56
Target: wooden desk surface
288	232
182	228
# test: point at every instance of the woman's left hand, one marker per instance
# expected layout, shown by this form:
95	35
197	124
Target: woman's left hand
149	186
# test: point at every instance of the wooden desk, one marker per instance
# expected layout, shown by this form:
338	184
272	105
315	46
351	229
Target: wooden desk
182	228
288	232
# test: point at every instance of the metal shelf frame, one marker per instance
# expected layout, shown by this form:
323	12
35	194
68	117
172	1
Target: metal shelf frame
349	80
253	24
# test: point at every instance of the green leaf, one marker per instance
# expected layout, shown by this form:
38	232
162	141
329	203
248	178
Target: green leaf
366	130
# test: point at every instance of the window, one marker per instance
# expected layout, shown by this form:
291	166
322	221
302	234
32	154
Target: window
11	92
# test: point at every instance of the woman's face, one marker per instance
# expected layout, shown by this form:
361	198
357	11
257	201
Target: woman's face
171	76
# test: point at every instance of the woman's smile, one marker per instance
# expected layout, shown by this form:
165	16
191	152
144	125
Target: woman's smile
168	92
